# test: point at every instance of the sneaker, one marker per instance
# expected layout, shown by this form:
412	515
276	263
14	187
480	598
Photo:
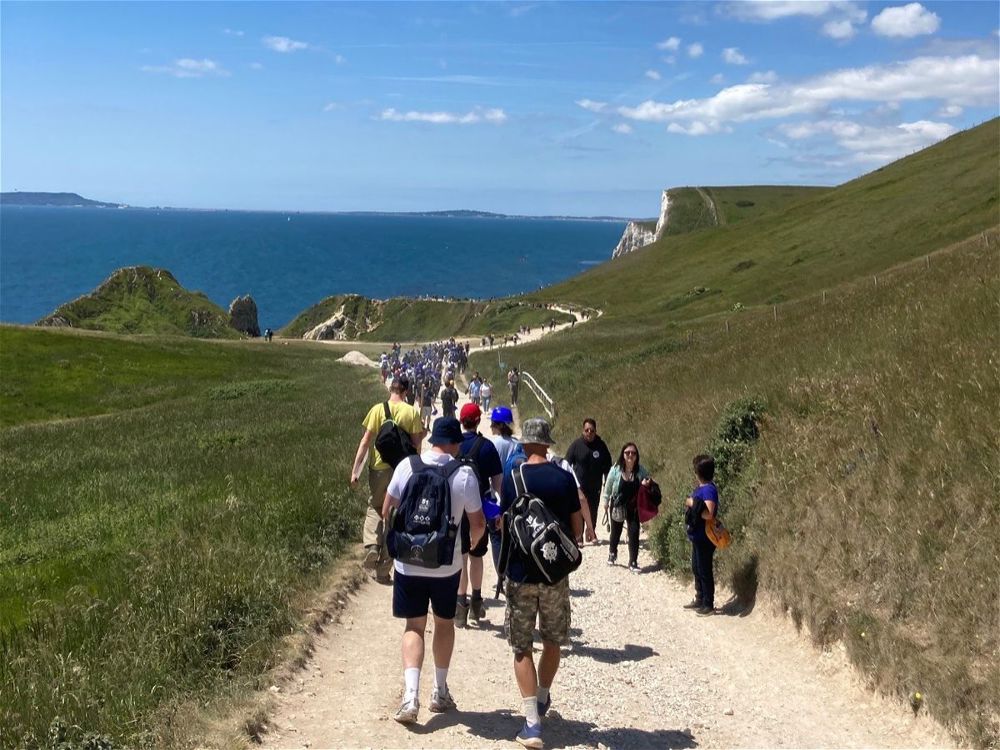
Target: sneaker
544	707
370	561
461	615
633	568
531	736
442	701
694	604
407	711
705	612
612	559
476	609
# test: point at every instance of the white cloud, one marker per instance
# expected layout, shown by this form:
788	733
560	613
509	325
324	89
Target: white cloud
283	44
591	106
330	106
232	32
951	110
670	59
187	67
773	10
474	117
841	29
872	143
733	56
653	75
768	76
256	66
695	50
908	20
623	127
339	59
717	79
695	128
962	81
671	45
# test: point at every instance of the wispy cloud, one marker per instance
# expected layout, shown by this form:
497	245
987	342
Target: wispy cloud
232	32
520	10
671	44
591	106
283	44
764	11
476	116
906	21
733	56
653	75
622	128
871	143
767	76
695	50
331	106
256	66
187	67
454	78
839	29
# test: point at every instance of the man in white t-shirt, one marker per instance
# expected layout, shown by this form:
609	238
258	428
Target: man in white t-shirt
414	587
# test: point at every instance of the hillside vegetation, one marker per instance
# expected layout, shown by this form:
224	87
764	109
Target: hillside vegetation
405	319
696	208
144	300
165	505
855	422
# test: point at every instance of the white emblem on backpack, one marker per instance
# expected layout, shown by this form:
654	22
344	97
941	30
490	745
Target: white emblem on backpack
549	551
425	503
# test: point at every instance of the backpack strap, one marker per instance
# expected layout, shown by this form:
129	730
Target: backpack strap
518	477
388	413
477	445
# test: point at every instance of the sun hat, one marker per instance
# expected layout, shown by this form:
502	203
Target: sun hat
502	415
446	431
537	431
470	411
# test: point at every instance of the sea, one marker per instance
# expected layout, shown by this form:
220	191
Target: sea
287	261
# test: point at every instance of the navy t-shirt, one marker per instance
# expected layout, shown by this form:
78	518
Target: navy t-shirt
704	492
487	460
553	486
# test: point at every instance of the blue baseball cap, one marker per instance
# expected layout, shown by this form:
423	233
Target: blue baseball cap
446	431
502	415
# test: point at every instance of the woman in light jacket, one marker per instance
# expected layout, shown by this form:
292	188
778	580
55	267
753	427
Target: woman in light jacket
620	493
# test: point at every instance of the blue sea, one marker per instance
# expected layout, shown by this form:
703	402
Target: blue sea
287	262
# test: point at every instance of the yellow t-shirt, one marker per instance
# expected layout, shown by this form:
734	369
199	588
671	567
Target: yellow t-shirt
406	416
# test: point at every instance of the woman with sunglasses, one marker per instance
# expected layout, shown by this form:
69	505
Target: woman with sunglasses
620	494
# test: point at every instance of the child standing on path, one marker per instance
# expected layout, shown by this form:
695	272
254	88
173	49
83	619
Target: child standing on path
702	505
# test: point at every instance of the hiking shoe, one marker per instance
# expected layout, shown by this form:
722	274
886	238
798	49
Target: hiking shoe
612	559
461	615
544	707
531	736
476	609
442	701
407	711
370	561
694	604
633	567
705	612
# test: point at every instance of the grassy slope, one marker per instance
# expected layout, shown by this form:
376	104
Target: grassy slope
914	206
873	493
152	555
145	300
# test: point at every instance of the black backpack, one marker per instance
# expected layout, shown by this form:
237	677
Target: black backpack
468	458
393	442
420	529
539	537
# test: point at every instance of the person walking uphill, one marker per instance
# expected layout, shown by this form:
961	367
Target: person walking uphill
591	461
449	398
702	506
376	561
528	597
621	493
423	508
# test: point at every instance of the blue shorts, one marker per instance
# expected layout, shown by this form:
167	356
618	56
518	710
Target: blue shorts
411	595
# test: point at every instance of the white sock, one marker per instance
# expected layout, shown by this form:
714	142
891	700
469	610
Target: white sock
411	678
530	706
441	678
543	694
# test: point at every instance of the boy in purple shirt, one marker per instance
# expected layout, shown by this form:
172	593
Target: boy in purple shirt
702	505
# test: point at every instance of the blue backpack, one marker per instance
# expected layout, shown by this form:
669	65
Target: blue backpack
515	459
420	531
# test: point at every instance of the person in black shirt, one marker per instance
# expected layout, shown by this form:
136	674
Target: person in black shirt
591	461
528	598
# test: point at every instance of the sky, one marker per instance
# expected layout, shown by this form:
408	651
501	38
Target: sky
584	108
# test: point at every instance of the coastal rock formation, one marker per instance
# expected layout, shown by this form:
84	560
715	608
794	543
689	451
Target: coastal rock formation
341	326
243	316
639	234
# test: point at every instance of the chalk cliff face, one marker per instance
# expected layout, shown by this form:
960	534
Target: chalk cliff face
348	322
637	236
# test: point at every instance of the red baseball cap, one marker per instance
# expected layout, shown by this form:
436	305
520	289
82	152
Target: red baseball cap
470	411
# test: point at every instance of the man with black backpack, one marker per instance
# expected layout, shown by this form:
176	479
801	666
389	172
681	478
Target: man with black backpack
482	456
424	505
541	520
389	425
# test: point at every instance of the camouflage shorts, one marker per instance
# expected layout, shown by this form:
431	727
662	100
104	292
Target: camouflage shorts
528	601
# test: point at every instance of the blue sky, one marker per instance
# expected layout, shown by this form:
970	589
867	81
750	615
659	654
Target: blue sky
536	108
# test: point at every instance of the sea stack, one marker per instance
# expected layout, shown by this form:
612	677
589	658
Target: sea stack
243	316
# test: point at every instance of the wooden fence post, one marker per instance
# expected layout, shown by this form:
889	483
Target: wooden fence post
824	296
774	309
727	326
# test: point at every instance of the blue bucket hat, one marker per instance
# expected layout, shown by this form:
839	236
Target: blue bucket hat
447	431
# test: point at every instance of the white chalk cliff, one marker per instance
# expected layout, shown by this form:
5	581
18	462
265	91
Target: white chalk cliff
636	236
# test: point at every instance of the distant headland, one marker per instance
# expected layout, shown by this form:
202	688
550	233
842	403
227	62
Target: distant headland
66	200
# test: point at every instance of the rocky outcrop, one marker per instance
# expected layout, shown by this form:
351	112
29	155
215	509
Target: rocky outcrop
638	234
243	316
341	326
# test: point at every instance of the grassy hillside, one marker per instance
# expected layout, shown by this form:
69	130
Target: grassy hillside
693	209
914	206
144	300
404	319
164	503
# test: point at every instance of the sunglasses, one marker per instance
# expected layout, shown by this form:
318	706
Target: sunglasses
631	453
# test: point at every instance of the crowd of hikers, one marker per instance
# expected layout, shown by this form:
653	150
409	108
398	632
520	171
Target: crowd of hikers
434	514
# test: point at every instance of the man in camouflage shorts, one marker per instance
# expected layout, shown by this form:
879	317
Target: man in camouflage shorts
529	599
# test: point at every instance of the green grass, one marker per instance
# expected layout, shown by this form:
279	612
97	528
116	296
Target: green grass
144	300
736	204
156	536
